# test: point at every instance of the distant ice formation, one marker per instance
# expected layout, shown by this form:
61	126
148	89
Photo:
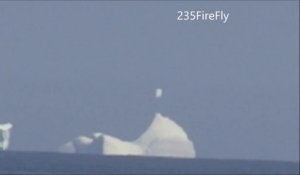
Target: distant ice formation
163	138
4	135
158	93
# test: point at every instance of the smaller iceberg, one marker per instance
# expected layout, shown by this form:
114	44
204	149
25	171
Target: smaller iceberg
4	135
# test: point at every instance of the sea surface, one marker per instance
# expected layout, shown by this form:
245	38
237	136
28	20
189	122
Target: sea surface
14	162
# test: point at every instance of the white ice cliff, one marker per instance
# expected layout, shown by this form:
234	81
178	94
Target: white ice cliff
163	138
4	135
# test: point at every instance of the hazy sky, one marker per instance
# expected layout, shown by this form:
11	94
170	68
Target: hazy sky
72	68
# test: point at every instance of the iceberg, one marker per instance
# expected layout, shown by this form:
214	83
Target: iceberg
4	135
166	138
163	138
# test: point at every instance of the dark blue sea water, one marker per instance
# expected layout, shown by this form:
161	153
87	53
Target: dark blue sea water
56	163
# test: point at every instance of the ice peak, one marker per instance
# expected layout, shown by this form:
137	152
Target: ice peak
162	127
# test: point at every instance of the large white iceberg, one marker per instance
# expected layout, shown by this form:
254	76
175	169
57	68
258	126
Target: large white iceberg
4	135
163	138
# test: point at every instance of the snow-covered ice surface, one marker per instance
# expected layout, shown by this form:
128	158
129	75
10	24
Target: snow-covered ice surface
163	138
4	135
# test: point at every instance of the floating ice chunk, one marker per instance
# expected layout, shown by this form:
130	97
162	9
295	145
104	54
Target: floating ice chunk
81	144
4	135
158	93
